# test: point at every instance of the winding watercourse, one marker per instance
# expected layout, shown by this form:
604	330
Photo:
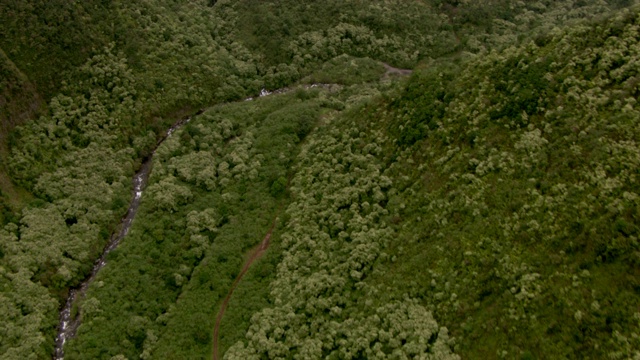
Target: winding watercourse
68	324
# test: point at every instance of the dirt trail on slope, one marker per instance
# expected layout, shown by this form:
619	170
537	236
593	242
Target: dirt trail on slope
396	71
256	253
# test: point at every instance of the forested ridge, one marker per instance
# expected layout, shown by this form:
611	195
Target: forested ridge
485	206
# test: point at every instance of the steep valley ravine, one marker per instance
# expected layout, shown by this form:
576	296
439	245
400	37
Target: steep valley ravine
69	322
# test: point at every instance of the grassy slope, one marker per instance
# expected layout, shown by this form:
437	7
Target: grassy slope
183	36
48	38
231	160
271	27
19	102
516	207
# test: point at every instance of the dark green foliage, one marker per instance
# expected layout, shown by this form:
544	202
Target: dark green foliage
60	35
181	245
509	174
278	187
272	27
347	70
18	97
513	245
423	104
523	84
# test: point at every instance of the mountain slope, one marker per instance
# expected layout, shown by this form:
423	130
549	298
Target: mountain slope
516	197
507	173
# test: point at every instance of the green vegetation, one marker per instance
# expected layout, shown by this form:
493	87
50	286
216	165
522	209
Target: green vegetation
346	70
515	186
210	199
485	207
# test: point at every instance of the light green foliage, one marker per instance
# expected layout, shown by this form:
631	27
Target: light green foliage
78	158
208	200
321	307
485	25
308	33
318	46
169	195
27	309
198	167
515	186
510	174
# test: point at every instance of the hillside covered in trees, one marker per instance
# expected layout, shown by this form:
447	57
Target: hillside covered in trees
484	206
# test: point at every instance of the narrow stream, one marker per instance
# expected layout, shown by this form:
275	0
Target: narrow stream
68	324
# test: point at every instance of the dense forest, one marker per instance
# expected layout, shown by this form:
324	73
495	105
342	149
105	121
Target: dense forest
440	179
